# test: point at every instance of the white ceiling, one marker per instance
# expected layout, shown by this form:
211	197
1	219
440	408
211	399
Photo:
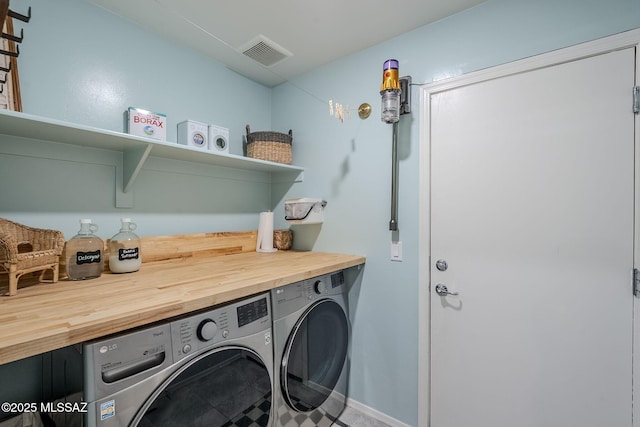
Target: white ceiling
315	32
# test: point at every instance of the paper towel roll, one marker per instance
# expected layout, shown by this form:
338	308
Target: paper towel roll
265	233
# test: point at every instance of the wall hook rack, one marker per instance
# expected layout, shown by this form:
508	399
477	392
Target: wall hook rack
13	37
9	53
20	17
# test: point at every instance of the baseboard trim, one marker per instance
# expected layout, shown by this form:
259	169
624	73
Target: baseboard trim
375	414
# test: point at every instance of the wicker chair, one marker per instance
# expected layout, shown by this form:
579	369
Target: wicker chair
25	249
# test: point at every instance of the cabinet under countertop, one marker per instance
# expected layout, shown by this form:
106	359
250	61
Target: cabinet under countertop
50	316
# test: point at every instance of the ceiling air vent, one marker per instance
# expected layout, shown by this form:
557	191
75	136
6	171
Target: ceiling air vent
265	51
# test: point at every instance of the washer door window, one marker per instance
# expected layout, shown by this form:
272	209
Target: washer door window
224	387
315	356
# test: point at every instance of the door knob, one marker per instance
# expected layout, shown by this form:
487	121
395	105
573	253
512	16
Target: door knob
442	290
442	265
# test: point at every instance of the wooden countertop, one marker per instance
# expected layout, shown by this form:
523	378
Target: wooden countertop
50	316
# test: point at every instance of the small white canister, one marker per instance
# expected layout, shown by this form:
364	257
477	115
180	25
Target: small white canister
304	210
193	134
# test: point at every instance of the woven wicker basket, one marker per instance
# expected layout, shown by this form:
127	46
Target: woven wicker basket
26	249
282	239
270	146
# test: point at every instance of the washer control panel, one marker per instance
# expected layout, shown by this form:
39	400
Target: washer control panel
207	330
192	334
196	332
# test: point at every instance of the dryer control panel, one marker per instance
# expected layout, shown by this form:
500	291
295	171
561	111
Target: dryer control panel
290	298
329	284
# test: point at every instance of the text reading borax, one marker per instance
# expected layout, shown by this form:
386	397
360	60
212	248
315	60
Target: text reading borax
148	120
147	124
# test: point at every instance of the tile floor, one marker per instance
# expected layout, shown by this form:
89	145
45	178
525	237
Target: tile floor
223	407
354	418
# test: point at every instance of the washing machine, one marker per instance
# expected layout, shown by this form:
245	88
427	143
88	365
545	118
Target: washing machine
211	368
311	334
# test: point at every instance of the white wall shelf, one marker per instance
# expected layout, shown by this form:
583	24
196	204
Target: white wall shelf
135	149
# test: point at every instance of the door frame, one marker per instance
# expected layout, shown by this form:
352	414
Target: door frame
607	44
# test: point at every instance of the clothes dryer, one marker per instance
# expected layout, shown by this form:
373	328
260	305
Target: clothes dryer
311	333
212	368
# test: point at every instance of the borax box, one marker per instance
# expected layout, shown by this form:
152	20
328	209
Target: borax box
147	124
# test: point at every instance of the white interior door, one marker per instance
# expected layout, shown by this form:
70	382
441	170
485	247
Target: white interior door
532	208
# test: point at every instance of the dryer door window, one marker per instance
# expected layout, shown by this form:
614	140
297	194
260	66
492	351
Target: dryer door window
315	356
228	386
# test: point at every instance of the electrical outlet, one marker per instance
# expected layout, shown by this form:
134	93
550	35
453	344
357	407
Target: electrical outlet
396	251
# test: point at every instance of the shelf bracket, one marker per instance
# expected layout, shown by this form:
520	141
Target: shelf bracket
292	176
133	160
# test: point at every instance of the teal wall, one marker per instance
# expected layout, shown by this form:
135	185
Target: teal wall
349	164
81	64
